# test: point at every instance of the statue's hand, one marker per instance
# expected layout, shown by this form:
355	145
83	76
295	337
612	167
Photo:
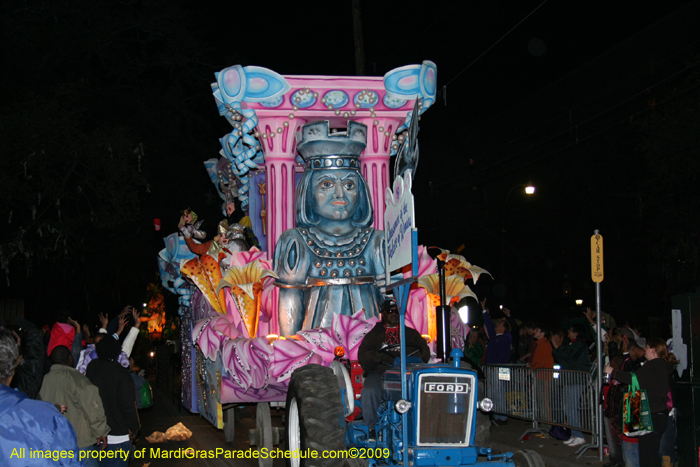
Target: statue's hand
186	230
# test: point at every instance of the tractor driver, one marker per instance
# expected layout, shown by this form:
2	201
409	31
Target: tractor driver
377	352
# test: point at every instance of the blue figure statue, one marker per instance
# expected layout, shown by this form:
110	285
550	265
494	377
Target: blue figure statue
333	261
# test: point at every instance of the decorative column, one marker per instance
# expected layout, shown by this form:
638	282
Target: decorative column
374	161
280	156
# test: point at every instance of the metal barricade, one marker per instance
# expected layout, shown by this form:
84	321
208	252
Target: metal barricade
549	396
565	398
510	389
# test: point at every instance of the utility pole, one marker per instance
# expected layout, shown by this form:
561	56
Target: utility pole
359	42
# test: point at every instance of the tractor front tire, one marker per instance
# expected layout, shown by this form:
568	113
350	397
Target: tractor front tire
315	420
528	458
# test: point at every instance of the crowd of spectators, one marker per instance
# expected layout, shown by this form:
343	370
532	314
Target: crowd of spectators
63	390
507	341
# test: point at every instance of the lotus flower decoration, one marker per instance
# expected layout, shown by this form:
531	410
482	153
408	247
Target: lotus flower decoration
205	272
246	284
455	290
457	264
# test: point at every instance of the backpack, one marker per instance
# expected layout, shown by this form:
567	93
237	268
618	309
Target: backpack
146	396
560	433
144	393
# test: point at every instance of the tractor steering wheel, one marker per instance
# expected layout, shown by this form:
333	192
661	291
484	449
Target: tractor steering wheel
390	347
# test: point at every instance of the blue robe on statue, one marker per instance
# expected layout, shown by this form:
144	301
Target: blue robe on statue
322	275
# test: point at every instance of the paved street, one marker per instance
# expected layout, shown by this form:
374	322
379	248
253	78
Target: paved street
165	414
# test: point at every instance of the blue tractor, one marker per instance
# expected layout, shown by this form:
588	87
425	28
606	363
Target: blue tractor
435	425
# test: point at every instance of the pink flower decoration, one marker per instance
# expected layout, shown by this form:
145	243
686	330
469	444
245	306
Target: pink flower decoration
321	342
290	354
426	265
269	303
248	361
350	330
208	339
224	325
241	258
232	393
415	310
345	331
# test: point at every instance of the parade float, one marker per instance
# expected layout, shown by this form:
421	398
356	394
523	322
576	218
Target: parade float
250	316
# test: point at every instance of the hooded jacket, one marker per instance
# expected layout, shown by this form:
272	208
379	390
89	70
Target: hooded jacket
29	374
118	395
61	334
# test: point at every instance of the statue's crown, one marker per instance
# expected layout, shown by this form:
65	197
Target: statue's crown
322	149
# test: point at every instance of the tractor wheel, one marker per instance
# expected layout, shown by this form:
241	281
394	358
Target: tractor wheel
315	418
528	458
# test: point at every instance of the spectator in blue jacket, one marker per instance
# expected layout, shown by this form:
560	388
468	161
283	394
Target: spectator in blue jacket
497	353
28	425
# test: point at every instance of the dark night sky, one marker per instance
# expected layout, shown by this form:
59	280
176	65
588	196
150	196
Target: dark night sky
510	118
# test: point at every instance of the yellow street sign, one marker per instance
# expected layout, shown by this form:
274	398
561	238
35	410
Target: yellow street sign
597	258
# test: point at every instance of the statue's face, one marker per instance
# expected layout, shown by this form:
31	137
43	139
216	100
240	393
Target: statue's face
335	193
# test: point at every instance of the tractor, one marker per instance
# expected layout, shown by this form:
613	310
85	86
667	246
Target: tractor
434	426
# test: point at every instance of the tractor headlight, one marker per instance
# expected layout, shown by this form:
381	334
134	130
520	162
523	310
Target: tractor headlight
485	404
402	406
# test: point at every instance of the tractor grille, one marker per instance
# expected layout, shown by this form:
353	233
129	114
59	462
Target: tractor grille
445	409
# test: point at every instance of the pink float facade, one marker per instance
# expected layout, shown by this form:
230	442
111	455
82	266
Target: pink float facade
235	355
280	150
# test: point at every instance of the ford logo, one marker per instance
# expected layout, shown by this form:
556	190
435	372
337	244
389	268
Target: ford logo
451	388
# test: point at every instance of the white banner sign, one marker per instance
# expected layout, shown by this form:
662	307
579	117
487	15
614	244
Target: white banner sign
398	223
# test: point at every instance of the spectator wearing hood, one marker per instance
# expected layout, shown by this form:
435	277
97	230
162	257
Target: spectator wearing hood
29	375
118	396
62	333
89	354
